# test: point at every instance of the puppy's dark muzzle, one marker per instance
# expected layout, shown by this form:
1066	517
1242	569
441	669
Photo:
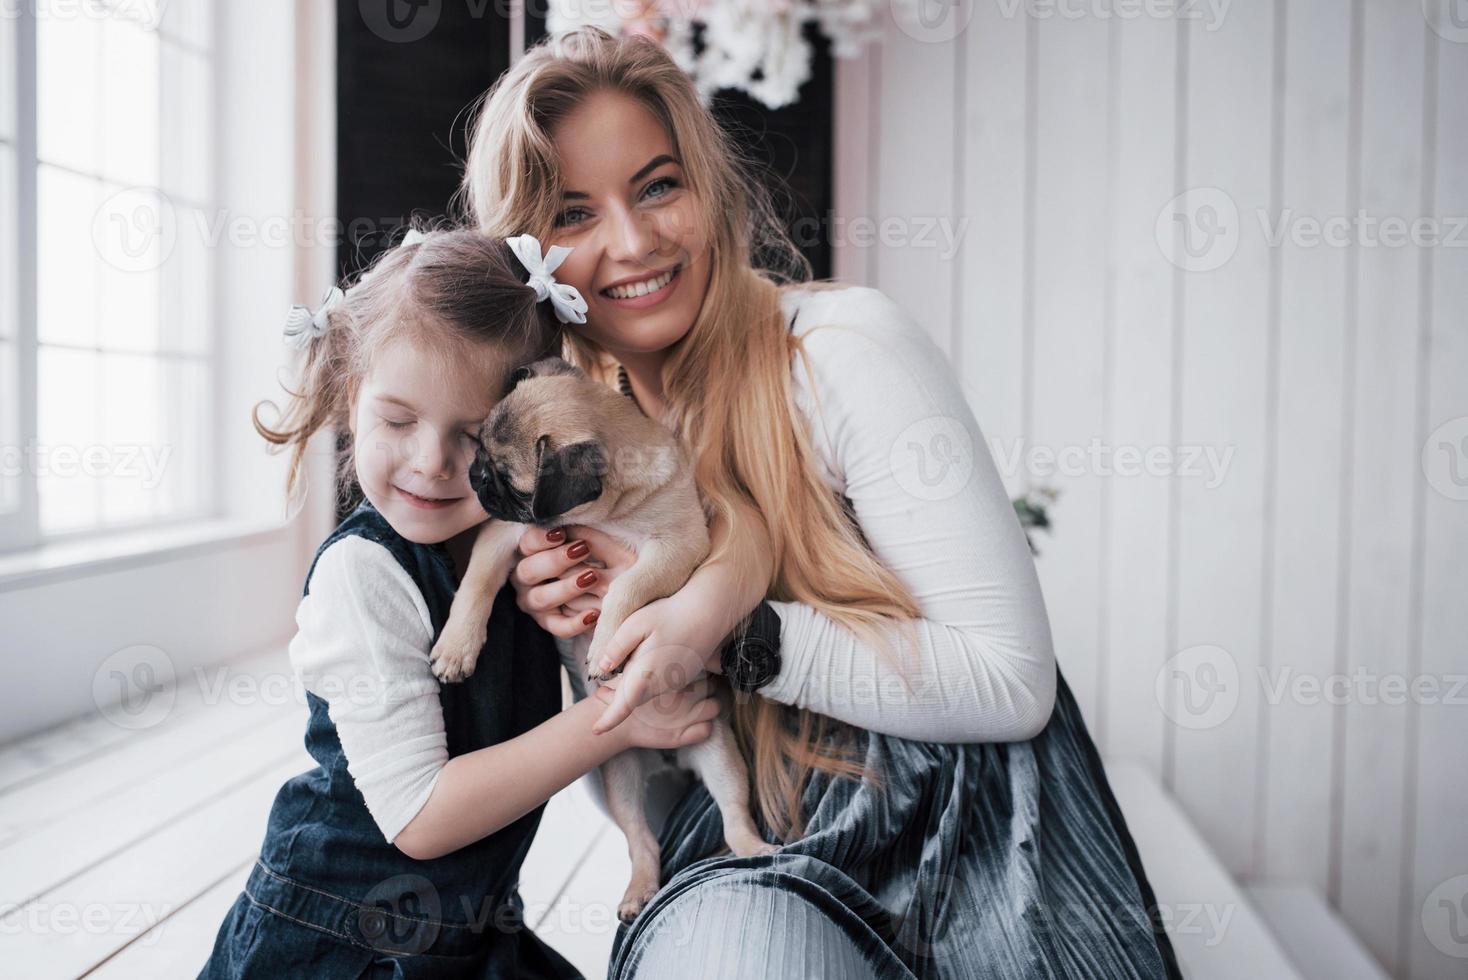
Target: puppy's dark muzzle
499	499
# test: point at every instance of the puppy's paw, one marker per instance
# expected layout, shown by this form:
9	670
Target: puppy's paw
750	846
452	661
597	676
636	899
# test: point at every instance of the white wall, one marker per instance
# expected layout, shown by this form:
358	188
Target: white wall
219	591
1054	143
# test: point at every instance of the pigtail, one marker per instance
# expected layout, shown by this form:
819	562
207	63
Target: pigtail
321	399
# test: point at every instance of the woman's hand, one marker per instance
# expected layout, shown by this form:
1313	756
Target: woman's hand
676	642
672	720
560	583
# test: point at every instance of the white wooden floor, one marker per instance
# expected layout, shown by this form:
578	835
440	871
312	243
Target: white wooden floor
121	850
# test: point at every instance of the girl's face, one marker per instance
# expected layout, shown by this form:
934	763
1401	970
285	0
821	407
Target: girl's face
640	254
415	427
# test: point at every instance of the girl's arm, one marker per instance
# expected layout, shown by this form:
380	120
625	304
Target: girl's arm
479	792
362	646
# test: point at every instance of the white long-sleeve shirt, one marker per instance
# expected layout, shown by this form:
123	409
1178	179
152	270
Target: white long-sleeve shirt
895	435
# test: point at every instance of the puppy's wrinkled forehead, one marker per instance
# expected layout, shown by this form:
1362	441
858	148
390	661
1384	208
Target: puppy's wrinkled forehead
543	406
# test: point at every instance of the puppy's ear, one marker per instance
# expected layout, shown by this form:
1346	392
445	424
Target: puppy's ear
566	478
544	368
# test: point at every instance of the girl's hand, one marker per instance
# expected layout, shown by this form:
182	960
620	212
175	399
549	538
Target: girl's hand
561	582
672	720
675	645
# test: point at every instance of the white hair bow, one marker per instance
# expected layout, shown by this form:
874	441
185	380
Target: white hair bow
303	325
567	302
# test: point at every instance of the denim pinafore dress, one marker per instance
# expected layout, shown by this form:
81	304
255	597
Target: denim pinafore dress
330	898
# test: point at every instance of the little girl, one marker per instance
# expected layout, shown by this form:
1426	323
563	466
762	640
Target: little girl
399	854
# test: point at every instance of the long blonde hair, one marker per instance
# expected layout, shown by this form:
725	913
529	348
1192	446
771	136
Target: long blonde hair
726	382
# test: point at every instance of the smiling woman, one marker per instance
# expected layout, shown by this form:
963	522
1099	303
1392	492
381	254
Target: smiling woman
640	246
934	815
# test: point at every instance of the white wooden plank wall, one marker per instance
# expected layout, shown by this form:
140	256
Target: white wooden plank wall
1050	137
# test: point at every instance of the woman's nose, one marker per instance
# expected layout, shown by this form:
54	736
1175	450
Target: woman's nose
636	239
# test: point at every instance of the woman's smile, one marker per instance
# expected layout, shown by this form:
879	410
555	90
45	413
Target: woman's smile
641	293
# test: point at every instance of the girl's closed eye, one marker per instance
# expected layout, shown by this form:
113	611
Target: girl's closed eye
398	424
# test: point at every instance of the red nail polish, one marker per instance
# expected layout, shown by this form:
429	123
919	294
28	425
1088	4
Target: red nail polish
586	578
590	617
556	536
578	549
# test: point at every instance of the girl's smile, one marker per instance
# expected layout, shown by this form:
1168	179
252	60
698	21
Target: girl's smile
426	503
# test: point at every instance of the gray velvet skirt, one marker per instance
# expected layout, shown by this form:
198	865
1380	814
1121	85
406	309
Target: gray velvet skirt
994	860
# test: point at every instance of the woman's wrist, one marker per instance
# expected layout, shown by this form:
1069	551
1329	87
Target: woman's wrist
713	601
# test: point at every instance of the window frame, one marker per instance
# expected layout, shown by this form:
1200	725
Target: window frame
20	529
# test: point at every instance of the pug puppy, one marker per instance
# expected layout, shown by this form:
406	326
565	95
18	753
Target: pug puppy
561	449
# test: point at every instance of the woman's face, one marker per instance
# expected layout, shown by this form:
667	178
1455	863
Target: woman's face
640	254
415	428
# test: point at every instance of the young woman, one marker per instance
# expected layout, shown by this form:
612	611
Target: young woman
941	807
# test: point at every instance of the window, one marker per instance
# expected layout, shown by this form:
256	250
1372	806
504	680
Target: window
118	349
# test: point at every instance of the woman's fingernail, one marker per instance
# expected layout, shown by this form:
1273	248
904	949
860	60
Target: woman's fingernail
586	578
578	549
590	618
556	536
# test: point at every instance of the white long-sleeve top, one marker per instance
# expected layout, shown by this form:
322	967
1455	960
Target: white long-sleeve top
362	643
895	435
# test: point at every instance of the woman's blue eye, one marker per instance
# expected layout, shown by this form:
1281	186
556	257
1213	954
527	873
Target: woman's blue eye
668	183
570	216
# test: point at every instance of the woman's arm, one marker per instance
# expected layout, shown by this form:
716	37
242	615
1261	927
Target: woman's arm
893	426
362	646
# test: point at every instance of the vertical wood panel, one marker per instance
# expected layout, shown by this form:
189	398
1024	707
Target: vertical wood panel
1441	846
911	265
1384	466
1295	774
1326	551
1140	389
991	305
855	129
1070	249
1224	367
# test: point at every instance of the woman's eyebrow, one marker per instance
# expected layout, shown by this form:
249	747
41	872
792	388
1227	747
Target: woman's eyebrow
648	168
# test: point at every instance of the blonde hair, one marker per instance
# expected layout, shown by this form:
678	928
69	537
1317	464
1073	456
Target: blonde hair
456	293
726	382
